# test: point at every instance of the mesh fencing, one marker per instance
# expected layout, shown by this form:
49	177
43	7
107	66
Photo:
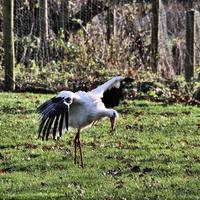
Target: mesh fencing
85	37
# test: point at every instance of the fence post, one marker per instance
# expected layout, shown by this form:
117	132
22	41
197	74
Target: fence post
155	34
8	43
190	47
65	17
44	32
189	4
110	23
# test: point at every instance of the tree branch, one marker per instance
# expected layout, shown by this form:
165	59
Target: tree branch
93	8
85	14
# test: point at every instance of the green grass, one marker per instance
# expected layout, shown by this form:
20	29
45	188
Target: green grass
154	154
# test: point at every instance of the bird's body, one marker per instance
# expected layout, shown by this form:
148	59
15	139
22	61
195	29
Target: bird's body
78	110
86	109
91	108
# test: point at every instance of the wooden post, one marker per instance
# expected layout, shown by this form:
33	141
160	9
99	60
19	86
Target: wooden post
110	24
44	33
190	47
115	23
155	34
190	4
65	17
8	43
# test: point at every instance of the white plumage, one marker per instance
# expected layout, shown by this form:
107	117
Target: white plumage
80	109
115	82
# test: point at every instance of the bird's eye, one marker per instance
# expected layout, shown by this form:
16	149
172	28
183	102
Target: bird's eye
114	115
68	100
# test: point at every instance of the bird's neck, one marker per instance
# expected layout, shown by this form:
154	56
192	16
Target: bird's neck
105	113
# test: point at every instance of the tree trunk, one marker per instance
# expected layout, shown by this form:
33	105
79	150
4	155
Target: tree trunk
110	23
44	34
8	43
65	17
44	30
190	4
155	34
92	8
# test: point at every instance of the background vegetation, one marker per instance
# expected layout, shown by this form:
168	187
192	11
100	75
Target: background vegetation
154	153
92	44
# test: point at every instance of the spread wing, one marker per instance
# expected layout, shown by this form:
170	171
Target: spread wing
111	92
54	114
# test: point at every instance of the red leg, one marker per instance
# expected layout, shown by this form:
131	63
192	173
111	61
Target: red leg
79	144
75	145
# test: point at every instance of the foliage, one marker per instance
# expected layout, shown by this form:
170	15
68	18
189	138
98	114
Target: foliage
154	154
86	51
86	54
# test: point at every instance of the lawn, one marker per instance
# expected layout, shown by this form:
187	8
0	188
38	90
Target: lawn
153	154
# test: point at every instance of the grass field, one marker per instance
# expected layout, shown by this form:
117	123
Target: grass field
154	154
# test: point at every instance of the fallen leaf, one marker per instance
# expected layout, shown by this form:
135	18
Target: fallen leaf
107	198
2	171
30	146
120	145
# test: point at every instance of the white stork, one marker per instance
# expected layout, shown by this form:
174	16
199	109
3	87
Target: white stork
80	109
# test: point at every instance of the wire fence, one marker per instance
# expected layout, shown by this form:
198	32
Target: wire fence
85	36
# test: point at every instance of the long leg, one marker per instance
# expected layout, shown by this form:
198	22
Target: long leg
75	145
79	145
77	142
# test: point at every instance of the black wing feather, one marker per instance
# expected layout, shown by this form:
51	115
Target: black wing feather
49	127
42	122
55	126
61	123
52	102
66	119
52	114
113	96
45	128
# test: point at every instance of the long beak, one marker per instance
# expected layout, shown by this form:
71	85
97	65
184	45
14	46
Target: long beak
67	116
113	122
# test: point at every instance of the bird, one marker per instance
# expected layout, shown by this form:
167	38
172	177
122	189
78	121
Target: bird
79	110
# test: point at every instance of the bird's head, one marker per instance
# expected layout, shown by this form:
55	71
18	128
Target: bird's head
113	116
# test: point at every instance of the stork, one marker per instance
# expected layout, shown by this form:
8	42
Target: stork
79	110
